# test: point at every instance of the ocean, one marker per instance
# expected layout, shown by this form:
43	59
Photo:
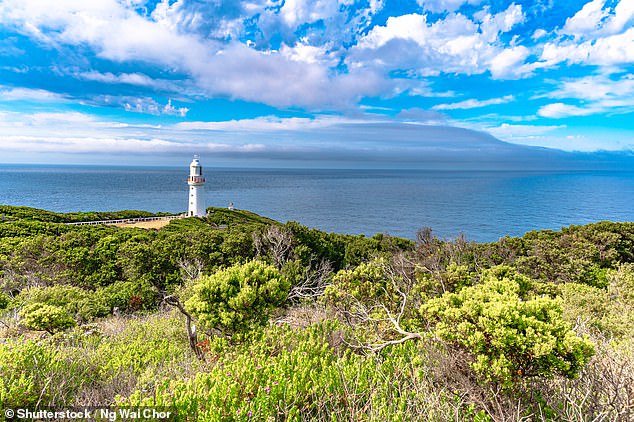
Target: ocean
482	205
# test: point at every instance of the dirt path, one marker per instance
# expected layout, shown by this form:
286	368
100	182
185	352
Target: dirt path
156	224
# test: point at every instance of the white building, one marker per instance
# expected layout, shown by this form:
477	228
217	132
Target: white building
196	183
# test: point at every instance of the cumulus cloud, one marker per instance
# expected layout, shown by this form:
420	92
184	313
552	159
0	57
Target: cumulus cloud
150	106
455	44
293	77
587	20
596	19
596	35
604	51
296	12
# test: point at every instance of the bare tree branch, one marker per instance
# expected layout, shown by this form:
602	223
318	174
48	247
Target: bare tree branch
276	241
314	284
190	270
191	329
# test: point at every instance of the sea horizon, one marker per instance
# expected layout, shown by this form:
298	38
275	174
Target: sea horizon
484	205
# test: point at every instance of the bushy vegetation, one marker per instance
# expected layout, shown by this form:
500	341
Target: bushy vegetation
233	299
297	324
508	333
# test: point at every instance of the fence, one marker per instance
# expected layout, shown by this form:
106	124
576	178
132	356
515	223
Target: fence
125	220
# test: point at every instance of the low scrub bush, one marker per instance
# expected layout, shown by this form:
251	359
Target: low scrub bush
42	317
507	334
233	299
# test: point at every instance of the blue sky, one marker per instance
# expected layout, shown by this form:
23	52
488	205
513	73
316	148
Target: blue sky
322	83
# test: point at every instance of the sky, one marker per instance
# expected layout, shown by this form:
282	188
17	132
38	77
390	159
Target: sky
319	83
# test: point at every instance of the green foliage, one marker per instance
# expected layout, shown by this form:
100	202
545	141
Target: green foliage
63	296
501	320
610	311
43	317
340	250
20	362
4	300
93	364
450	279
224	216
364	287
296	375
232	299
78	303
508	335
10	213
367	281
128	296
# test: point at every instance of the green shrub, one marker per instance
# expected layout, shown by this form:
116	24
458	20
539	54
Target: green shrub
63	296
608	311
25	368
128	296
232	299
364	287
4	300
295	375
80	304
508	335
43	317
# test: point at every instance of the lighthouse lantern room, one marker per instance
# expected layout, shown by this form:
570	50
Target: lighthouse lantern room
196	183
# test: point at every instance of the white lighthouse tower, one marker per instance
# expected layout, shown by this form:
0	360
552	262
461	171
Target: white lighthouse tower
196	189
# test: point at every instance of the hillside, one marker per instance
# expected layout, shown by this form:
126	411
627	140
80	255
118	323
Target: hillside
293	323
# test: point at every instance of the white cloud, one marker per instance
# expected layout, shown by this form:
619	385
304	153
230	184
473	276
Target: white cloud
561	110
27	94
600	93
296	12
150	106
606	51
492	25
596	20
472	103
87	145
260	124
299	75
305	53
509	132
586	21
406	27
136	78
509	63
596	88
623	16
603	36
454	44
174	111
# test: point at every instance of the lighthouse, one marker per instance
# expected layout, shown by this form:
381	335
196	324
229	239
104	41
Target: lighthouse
196	183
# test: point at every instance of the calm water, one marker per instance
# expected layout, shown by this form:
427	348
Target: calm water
482	205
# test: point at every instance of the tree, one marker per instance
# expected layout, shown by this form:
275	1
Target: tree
232	299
